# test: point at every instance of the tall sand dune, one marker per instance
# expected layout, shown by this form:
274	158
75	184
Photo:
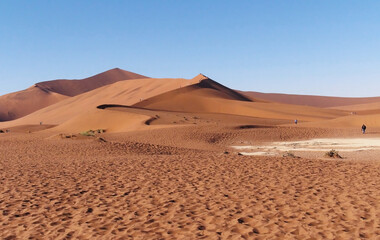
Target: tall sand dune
75	87
122	93
210	97
43	94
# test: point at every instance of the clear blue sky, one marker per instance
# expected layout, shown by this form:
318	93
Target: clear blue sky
303	47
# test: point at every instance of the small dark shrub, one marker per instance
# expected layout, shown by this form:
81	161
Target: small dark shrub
333	154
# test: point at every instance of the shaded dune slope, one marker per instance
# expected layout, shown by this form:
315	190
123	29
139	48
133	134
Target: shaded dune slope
310	100
43	94
205	88
19	104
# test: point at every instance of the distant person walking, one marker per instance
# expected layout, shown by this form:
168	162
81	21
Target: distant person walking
295	121
364	127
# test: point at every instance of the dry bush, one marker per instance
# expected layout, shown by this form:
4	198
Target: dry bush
91	133
333	154
290	155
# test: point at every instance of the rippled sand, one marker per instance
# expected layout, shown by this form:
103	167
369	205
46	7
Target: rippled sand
181	186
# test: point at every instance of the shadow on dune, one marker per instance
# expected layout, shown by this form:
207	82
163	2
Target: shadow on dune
252	126
105	106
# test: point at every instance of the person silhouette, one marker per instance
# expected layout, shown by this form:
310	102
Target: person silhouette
364	127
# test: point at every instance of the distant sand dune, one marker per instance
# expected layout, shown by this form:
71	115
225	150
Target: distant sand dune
75	87
19	104
364	109
310	100
349	121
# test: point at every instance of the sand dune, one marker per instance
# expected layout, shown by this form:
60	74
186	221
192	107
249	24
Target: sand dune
310	100
354	121
205	97
109	120
43	94
123	93
363	109
19	104
75	87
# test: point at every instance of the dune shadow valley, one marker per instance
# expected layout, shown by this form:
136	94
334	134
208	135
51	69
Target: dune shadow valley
120	155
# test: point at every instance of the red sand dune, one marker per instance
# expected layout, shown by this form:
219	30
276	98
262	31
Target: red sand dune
211	97
75	87
198	95
310	100
19	104
43	94
123	93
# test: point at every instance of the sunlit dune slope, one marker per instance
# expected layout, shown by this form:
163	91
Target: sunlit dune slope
109	120
43	94
310	100
123	93
211	97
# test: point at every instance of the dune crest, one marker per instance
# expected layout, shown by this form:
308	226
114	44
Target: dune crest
75	87
199	78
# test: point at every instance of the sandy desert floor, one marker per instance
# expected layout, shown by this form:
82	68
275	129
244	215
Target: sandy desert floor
185	182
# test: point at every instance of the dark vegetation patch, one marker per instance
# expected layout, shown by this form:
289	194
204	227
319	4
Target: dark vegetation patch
333	154
290	155
91	133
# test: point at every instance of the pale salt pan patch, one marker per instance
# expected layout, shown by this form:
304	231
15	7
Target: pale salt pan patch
257	153
321	144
